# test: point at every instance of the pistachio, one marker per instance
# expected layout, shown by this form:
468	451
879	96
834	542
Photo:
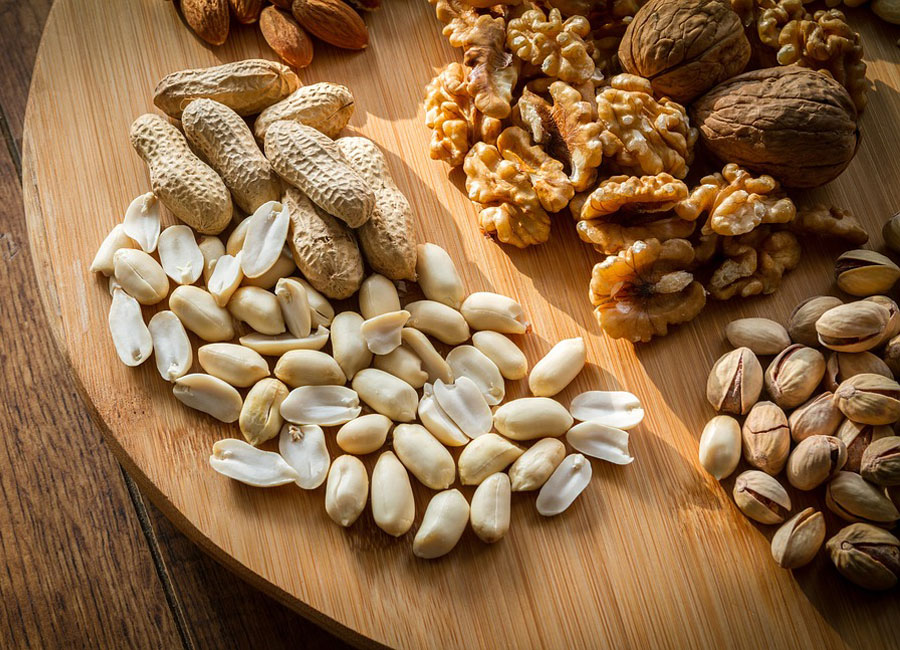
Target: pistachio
881	462
794	374
843	365
761	497
766	438
857	437
869	399
798	540
867	556
819	416
893	493
852	498
720	446
854	327
815	460
864	273
761	335
891	233
735	382
892	355
802	324
893	326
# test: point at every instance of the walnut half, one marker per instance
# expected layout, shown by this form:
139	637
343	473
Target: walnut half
556	46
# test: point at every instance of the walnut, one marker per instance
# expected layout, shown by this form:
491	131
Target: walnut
510	207
826	42
610	237
772	16
685	48
487	4
546	174
556	46
645	288
835	222
643	136
455	122
603	45
790	122
737	202
567	130
755	263
458	19
632	194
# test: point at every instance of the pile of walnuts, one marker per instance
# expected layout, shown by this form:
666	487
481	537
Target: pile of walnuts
597	106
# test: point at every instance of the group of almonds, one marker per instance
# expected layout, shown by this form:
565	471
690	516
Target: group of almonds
830	421
285	24
310	199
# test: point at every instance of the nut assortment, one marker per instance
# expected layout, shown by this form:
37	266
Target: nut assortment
600	108
829	426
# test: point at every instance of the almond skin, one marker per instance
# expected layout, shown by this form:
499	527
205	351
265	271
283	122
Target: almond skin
332	21
246	11
208	18
286	37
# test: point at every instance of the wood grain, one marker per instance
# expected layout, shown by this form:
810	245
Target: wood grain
652	554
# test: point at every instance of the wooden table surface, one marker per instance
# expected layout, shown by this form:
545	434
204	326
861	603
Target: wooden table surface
85	559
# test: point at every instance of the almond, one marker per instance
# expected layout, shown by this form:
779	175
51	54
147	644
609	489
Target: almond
246	11
333	22
286	37
208	18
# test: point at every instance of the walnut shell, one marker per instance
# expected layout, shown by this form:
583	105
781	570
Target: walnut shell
685	48
795	124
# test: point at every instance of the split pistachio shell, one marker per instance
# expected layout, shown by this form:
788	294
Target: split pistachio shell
613	408
382	332
869	398
799	539
322	311
264	239
210	395
179	254
532	417
857	438
863	272
467	361
303	448
377	295
558	367
283	268
735	382
762	336
404	364
260	418
242	462
491	311
761	497
486	455
275	346
309	368
365	434
439	424
802	324
212	248
225	279
140	275
505	354
438	320
854	327
114	241
443	524
141	221
464	403
133	341
794	375
867	556
568	480
433	363
235	364
295	309
815	460
386	394
424	456
532	469
437	276
489	512
171	345
347	490
347	343
853	498
326	406
720	446
393	506
197	310
600	441
258	308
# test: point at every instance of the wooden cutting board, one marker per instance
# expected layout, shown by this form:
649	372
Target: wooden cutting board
652	554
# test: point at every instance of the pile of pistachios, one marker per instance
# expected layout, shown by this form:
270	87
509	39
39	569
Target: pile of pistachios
824	413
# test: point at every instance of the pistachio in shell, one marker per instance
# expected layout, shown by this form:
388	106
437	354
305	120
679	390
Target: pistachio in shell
762	335
843	365
862	272
857	437
818	416
869	398
890	231
798	540
814	461
735	382
766	438
853	327
802	323
881	462
853	498
893	327
761	497
867	556
794	374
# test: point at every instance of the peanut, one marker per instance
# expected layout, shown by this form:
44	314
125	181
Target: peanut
532	417
239	366
491	311
383	332
140	275
432	361
386	394
264	239
181	258
437	275
558	367
260	418
304	449
275	346
442	525
294	301
258	308
141	222
532	469
309	368
393	506
210	395
404	364
130	335
486	455
438	320
364	434
171	345
198	312
347	343
505	354
326	107
346	490
377	295
116	239
489	512
426	458
212	248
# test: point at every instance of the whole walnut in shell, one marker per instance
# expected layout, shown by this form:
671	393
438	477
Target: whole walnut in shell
795	124
685	48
